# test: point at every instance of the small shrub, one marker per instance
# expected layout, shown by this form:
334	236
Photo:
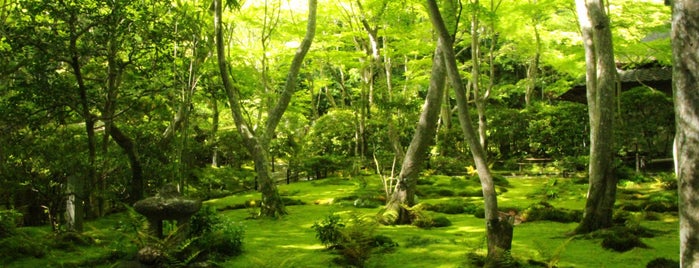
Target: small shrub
328	230
8	222
441	221
204	221
662	263
228	238
357	239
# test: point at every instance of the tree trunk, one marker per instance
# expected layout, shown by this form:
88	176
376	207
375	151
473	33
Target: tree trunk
475	78
499	231
136	186
601	82
76	190
214	130
257	144
685	44
404	191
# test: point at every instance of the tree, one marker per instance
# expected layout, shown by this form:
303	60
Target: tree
257	140
404	192
499	230
601	77
685	15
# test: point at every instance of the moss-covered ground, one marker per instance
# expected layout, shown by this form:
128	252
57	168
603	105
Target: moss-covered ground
291	242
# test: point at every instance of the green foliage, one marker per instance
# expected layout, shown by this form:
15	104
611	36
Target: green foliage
21	245
648	122
204	221
358	240
445	165
211	182
661	202
667	180
226	240
8	222
328	230
354	238
542	130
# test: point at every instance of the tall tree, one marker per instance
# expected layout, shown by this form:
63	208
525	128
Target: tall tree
499	230
257	140
601	86
685	44
404	192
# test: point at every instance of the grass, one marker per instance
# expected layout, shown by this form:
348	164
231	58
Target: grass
290	241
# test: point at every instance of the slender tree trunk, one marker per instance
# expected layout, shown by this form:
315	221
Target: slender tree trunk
136	186
685	44
214	130
475	78
404	191
271	205
76	190
499	231
601	82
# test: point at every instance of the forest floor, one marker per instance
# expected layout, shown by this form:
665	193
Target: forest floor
291	241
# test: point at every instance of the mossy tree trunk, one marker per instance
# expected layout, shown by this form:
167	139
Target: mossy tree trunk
499	230
404	191
257	143
601	86
685	44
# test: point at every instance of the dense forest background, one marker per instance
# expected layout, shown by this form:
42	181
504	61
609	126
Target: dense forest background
104	102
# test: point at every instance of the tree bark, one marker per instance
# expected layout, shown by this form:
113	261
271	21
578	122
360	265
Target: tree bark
601	83
136	186
499	230
76	190
685	44
404	191
257	144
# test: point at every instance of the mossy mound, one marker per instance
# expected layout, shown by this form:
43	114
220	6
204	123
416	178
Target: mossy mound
543	211
662	263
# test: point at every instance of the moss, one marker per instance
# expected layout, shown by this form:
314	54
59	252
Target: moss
543	211
662	263
441	221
